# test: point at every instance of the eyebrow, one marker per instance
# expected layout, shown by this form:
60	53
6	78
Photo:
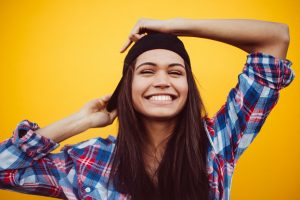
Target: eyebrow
155	65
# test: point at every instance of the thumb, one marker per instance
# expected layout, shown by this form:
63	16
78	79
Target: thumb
105	98
113	114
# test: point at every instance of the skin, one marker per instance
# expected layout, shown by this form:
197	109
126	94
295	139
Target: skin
248	35
158	72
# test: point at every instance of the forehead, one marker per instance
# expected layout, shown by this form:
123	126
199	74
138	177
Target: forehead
160	57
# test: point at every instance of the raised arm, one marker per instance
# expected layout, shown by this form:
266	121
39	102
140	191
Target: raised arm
93	114
248	35
26	162
248	104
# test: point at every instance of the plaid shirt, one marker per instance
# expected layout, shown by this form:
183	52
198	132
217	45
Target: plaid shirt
78	171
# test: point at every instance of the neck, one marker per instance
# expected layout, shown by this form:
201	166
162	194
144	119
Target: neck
158	133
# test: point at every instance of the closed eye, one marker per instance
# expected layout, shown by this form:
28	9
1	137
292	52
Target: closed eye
147	72
175	73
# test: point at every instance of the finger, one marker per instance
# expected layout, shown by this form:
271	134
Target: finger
139	36
106	97
113	114
102	101
125	46
101	104
143	35
133	36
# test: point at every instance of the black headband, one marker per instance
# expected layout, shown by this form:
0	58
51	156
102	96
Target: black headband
146	43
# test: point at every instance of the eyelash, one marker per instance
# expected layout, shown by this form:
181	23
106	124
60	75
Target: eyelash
171	72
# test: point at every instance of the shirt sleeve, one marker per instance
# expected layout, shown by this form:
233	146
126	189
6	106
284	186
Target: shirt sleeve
27	166
237	123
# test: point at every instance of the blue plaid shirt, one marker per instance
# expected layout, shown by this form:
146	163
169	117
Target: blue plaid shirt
79	171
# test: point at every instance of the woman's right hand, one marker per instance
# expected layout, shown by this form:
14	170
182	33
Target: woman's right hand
96	114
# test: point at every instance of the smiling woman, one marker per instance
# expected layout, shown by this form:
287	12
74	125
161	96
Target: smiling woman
159	79
161	82
167	147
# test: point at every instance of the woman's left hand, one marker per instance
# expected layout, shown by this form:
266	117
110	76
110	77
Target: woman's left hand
144	26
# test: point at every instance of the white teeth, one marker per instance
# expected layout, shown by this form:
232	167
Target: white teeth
161	98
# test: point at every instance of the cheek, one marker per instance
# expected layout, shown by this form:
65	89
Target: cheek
138	88
183	88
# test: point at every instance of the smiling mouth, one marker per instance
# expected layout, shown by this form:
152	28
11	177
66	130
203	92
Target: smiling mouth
161	99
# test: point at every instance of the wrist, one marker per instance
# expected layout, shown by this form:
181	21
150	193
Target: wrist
82	121
177	26
65	128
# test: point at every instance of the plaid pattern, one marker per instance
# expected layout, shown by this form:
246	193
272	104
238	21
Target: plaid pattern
78	171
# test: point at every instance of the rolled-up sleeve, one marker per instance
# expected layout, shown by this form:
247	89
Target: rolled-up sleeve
27	166
269	71
33	145
248	104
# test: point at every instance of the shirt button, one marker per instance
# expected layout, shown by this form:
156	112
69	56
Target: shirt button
87	189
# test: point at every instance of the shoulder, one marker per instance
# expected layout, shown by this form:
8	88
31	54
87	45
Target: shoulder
97	142
91	159
94	145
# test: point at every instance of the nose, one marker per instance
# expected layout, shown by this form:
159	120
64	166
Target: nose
161	80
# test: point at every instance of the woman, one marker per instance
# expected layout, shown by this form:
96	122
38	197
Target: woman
167	147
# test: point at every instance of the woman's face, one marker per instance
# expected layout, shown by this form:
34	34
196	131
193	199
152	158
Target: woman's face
159	86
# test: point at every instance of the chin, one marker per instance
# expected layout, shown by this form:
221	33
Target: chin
160	116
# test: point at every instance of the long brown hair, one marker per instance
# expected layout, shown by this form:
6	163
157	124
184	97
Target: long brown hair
182	173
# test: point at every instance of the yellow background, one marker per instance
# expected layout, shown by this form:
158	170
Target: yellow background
57	55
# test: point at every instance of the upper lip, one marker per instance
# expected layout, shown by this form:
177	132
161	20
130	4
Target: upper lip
173	96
